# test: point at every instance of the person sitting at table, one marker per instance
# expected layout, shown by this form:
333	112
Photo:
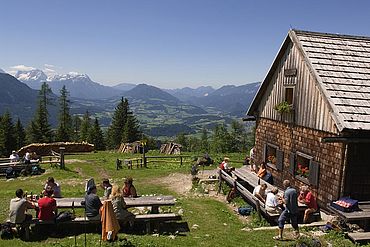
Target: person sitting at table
14	157
92	204
262	170
27	157
107	188
273	202
18	207
260	192
306	197
129	189
54	186
47	205
119	207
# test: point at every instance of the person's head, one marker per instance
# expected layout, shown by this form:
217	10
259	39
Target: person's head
14	152
116	192
50	180
91	190
286	184
48	191
226	159
19	193
304	188
128	181
106	182
274	190
264	186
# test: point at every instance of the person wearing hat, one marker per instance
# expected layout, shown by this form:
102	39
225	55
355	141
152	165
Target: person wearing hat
14	157
129	189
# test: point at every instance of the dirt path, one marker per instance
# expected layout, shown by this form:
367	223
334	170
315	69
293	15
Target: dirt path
182	185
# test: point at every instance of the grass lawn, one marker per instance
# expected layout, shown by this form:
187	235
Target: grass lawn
211	222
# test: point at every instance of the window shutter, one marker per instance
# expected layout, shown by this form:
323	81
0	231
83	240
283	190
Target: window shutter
292	163
264	152
313	177
279	160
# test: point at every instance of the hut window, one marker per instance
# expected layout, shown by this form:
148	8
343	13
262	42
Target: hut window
303	165
270	154
289	92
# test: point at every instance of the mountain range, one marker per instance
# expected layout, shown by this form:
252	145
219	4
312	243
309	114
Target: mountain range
161	112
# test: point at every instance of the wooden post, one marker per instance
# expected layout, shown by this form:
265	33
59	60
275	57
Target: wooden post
180	160
258	208
144	158
62	165
219	182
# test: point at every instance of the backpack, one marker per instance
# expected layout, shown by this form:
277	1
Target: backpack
6	231
64	216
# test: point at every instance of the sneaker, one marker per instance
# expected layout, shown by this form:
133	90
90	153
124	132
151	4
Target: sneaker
277	237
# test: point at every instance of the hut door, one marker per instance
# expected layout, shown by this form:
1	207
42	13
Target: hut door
357	182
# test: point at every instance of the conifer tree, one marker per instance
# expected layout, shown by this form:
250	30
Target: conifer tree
76	126
124	126
96	136
85	127
64	131
182	140
39	129
7	143
19	134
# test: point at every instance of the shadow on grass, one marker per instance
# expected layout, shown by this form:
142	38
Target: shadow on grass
43	232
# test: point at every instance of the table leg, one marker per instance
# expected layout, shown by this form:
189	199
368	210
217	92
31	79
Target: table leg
155	210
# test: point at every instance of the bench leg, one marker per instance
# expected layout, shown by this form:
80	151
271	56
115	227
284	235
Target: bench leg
147	227
155	210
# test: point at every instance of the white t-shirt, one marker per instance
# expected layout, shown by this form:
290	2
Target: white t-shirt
226	166
271	200
257	190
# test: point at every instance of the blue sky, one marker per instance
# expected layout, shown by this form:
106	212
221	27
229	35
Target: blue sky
165	43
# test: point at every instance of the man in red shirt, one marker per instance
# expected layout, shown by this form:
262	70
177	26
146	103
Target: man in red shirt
47	205
306	197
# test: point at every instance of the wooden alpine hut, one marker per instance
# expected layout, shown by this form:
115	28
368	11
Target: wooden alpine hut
312	115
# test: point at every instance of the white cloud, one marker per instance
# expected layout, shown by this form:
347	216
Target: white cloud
13	69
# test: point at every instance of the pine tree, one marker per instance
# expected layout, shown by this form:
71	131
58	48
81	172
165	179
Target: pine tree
19	134
85	127
96	136
182	140
237	136
76	126
64	131
124	126
7	143
39	129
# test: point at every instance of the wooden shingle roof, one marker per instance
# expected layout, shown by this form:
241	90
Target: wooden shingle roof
341	65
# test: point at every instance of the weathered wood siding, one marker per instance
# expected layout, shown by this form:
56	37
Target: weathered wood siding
310	108
290	139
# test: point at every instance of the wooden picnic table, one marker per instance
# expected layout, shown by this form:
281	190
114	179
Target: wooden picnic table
143	201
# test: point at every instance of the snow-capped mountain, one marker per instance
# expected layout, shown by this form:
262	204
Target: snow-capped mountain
33	78
78	85
2	71
81	86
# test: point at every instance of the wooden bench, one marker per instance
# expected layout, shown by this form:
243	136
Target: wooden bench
359	236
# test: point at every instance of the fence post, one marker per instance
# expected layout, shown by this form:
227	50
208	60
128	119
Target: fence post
62	165
180	160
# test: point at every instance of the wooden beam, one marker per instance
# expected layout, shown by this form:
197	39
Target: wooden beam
345	140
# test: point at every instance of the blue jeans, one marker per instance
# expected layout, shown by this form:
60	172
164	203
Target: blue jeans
287	215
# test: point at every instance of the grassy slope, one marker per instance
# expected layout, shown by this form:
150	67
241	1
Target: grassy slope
218	226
